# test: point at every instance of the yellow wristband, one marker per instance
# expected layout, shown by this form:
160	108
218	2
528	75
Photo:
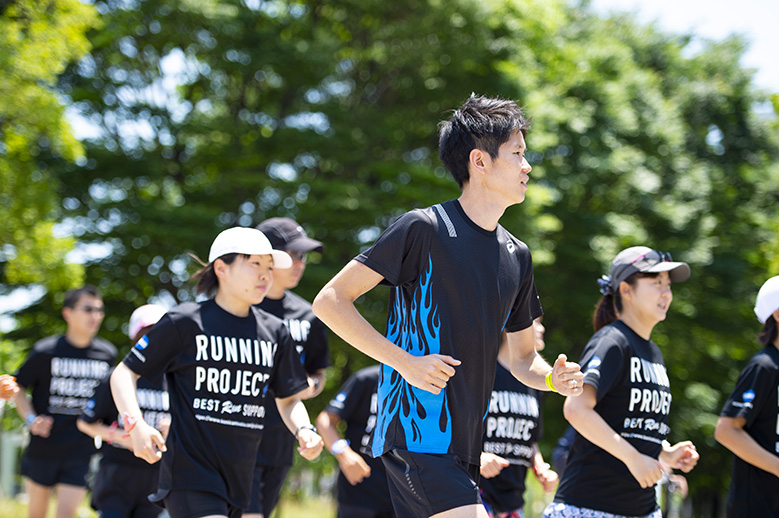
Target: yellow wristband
548	380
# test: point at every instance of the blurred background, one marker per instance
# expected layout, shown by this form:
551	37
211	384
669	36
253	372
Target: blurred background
133	131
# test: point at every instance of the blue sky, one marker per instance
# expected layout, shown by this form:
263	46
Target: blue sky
758	20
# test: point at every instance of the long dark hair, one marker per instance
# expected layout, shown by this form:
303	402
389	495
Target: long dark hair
207	281
768	335
609	306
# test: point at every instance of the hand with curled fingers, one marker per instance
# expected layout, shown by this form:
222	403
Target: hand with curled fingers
353	466
491	465
147	441
547	477
42	426
430	372
646	470
310	444
8	387
682	456
567	377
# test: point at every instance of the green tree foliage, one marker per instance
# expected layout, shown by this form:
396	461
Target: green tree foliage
213	113
37	41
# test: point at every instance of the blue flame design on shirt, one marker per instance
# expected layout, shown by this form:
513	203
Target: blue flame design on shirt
423	417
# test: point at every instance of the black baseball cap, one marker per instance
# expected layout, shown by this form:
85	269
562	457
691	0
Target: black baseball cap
644	259
287	234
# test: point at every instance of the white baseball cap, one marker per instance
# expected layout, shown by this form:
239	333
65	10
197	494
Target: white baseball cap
144	316
767	299
249	241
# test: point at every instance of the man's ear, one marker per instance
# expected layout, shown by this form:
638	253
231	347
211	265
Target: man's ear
776	315
478	160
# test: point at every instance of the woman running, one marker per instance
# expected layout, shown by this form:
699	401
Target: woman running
219	357
749	423
620	452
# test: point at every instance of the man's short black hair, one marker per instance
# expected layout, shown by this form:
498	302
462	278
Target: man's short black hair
480	123
73	296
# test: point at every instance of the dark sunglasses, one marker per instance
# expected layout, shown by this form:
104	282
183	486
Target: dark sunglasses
89	310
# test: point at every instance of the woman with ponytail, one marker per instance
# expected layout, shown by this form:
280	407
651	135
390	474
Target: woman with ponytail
219	356
620	450
749	423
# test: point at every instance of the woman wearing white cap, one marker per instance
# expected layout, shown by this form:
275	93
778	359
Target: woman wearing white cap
124	482
749	423
219	357
620	450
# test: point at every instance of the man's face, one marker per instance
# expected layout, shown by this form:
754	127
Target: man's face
85	317
509	172
289	278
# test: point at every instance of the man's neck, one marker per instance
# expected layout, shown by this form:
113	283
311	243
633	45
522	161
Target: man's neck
480	209
275	293
78	340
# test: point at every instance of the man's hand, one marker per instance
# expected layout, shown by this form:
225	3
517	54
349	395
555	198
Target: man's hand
353	466
491	465
430	372
42	426
567	377
310	444
147	442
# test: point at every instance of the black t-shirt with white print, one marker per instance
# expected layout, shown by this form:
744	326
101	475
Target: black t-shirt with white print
63	378
310	338
455	288
155	407
355	404
218	367
511	428
634	398
754	492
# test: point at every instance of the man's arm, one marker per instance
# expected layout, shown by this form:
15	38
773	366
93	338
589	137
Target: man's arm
531	369
731	434
39	425
352	465
334	306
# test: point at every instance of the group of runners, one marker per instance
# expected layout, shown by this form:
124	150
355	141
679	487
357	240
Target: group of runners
202	416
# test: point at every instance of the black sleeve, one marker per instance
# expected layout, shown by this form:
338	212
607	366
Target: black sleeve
527	305
100	406
347	400
36	364
397	254
155	352
288	376
602	362
317	348
753	388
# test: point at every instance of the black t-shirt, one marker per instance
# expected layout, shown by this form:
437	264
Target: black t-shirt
355	404
218	367
63	378
754	492
310	338
455	288
512	427
155	406
634	399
